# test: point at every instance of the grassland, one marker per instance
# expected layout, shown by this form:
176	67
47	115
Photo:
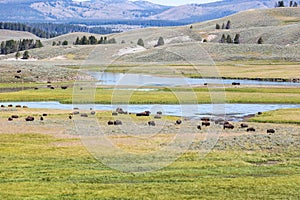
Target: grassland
279	116
52	164
159	96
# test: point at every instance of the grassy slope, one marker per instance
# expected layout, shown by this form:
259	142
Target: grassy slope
279	116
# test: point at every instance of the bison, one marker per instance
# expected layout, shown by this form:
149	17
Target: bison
19	71
76	113
25	106
151	123
205	119
64	87
44	114
159	112
199	127
10	119
244	125
2	106
93	113
110	123
205	123
70	117
114	113
18	106
236	83
15	116
178	122
29	119
117	122
84	115
228	126
17	77
270	131
42	118
251	129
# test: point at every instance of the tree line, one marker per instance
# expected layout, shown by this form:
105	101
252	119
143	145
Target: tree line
23	27
281	4
12	46
92	40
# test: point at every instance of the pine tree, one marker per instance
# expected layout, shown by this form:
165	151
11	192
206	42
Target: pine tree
228	25
228	39
223	26
260	41
84	40
65	43
140	42
77	42
160	42
295	4
223	39
17	55
291	3
236	39
218	26
92	40
25	55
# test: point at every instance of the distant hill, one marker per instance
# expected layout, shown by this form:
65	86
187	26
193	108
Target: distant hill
69	10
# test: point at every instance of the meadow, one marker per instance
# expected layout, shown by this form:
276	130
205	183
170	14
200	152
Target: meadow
40	162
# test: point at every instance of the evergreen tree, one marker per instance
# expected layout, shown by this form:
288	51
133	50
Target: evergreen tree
25	55
140	42
111	41
17	55
236	39
223	26
223	39
92	40
160	42
84	40
77	42
280	3
53	43
218	26
291	3
65	43
228	25
260	41
295	4
228	39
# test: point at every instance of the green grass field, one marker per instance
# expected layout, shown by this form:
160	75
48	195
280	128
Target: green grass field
289	116
161	96
34	166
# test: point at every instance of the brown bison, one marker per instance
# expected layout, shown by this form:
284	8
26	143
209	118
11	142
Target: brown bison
117	122
110	123
18	106
199	127
251	129
93	112
2	106
70	117
76	113
114	113
17	77
10	119
45	115
42	118
84	115
25	106
270	131
151	123
205	119
205	123
52	88
236	83
15	116
146	114
64	87
243	125
228	126
19	71
178	122
29	119
159	112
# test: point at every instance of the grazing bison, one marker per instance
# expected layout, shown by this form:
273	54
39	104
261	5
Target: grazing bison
49	82
159	112
205	119
10	119
42	118
244	125
151	123
205	84
259	113
236	83
70	117
84	115
45	115
251	129
178	122
219	121
52	88
117	122
15	116
19	71
10	106
199	127
157	117
17	77
76	113
110	123
2	106
25	106
146	113
205	123
49	86
228	126
120	111
36	88
270	131
18	106
64	87
29	119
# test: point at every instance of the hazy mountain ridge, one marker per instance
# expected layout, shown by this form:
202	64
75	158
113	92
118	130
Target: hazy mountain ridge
66	10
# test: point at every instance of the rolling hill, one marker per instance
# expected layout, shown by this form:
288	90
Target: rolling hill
69	10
